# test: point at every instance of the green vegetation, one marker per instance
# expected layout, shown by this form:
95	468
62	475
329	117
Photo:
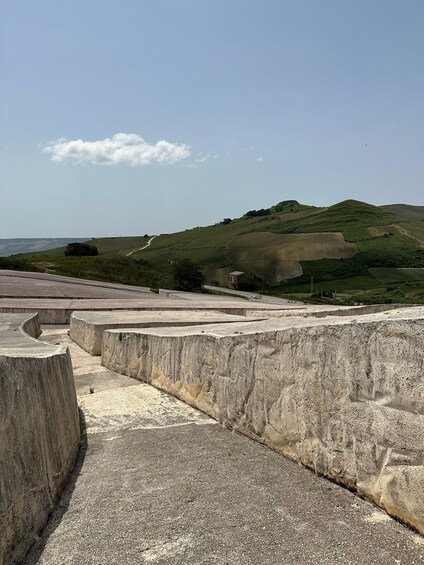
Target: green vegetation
350	217
406	212
76	249
187	275
353	251
112	268
396	275
261	212
17	263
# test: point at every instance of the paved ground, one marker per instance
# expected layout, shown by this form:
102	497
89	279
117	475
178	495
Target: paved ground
20	284
158	482
252	295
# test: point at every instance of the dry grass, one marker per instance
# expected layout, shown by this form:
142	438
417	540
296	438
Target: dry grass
403	231
277	257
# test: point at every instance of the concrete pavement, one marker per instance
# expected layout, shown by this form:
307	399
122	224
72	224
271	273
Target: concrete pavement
159	482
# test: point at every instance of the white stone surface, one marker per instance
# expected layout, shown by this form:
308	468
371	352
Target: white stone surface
87	328
342	395
39	431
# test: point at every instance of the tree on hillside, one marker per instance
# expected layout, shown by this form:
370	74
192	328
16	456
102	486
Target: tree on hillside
187	275
80	250
261	212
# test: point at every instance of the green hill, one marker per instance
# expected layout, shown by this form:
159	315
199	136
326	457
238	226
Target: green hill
345	249
407	212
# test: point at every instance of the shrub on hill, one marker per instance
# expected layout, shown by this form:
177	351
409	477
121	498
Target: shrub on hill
287	206
80	250
250	282
16	264
261	212
187	275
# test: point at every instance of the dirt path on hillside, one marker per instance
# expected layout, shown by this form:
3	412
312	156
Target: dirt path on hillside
141	248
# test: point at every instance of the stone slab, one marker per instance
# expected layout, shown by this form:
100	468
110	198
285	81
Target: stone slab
86	328
39	431
159	482
58	311
323	310
342	395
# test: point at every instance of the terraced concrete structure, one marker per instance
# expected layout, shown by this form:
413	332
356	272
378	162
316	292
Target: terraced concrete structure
338	390
39	431
87	328
342	395
54	298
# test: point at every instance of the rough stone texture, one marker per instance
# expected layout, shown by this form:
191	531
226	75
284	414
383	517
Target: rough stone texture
322	310
87	327
14	326
159	482
39	431
344	396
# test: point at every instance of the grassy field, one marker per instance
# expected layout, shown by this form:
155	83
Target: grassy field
353	248
406	212
395	275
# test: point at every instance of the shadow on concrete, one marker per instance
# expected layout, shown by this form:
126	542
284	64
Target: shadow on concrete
62	505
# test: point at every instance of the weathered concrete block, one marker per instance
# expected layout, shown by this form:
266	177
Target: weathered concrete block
87	327
39	431
344	396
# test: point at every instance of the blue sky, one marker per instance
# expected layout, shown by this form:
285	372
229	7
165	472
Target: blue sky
254	102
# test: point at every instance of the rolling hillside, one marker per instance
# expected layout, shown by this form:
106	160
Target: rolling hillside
407	212
351	248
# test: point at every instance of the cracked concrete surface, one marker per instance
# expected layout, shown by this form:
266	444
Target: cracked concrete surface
159	482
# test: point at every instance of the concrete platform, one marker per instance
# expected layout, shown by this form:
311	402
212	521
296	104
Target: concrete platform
18	334
87	328
342	395
21	284
159	482
55	297
59	311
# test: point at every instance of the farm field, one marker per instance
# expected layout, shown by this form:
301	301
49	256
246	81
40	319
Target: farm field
393	275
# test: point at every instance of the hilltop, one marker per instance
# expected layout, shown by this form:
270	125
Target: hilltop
352	249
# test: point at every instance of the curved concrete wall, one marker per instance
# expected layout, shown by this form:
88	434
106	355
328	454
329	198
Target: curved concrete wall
345	397
39	431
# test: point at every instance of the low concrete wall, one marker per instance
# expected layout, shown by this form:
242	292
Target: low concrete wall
343	396
322	311
58	311
39	431
87	328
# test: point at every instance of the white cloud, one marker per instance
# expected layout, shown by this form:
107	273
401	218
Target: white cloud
128	148
259	159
